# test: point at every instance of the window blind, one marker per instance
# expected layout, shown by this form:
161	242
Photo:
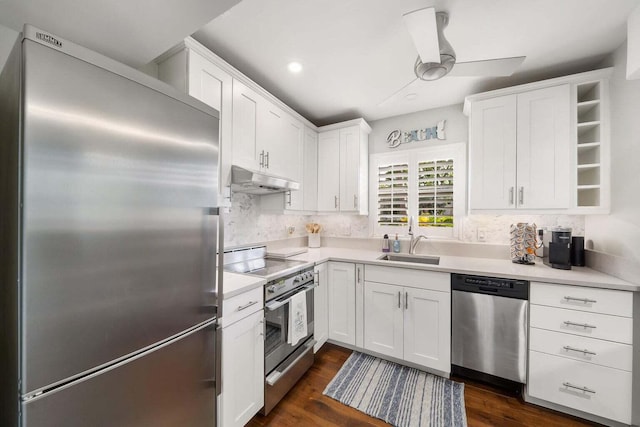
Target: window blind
393	194
435	193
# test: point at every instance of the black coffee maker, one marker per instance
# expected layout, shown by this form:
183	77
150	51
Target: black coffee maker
557	248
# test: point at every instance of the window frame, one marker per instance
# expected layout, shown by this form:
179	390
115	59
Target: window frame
455	151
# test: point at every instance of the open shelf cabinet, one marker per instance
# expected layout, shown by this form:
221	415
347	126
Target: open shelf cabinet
590	137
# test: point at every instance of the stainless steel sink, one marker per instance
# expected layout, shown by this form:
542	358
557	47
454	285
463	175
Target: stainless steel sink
416	259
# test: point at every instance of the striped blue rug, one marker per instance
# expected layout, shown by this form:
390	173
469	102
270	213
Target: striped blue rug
397	394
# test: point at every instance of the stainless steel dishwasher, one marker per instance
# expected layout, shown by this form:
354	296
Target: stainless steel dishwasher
489	329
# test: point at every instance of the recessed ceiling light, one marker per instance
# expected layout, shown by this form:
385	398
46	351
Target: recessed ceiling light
295	67
411	96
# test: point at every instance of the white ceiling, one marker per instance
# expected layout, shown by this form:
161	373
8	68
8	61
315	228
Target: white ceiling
356	53
131	31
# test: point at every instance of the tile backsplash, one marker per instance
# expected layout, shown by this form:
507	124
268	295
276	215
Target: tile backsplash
246	224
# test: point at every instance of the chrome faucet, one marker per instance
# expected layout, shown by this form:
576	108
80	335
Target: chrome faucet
414	241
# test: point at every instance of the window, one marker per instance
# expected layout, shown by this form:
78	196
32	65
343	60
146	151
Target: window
393	194
435	193
425	184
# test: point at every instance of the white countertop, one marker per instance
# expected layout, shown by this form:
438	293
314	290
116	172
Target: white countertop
235	284
539	272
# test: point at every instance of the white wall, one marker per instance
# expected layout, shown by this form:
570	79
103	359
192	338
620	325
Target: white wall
619	233
7	38
456	128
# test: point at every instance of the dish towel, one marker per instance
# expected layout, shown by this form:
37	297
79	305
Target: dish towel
297	318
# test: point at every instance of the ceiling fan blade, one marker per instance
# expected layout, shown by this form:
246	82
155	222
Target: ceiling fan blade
423	27
487	68
396	93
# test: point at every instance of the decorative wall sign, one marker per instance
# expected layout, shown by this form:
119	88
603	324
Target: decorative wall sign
397	137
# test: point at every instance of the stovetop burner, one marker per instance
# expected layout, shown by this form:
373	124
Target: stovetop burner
254	261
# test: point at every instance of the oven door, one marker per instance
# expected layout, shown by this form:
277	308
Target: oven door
276	348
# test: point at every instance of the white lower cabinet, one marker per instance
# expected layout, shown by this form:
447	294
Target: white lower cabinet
580	349
321	306
427	328
598	390
408	323
242	370
383	318
342	302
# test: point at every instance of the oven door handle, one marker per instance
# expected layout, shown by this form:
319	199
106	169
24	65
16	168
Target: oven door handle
277	304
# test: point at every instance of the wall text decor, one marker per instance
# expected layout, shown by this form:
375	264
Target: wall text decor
397	137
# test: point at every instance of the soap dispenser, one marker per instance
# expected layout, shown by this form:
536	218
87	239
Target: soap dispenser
385	243
396	245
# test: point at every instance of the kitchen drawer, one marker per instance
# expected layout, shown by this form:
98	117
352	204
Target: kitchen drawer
602	326
600	352
422	279
242	305
611	388
604	301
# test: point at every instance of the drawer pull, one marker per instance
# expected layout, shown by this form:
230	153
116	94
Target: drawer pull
582	325
585	352
247	305
585	389
584	300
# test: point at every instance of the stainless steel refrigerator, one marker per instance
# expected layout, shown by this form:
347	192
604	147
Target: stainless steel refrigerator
108	241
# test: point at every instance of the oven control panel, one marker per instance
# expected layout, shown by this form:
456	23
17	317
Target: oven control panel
277	287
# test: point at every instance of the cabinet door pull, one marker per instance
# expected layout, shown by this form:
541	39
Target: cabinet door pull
585	389
247	305
355	201
262	159
316	277
406	300
585	352
266	160
399	298
289	195
584	300
511	190
582	325
521	195
335	201
358	271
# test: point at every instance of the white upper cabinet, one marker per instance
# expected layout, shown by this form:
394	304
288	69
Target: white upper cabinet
541	147
329	171
310	170
190	68
265	137
304	163
519	151
492	153
343	166
246	104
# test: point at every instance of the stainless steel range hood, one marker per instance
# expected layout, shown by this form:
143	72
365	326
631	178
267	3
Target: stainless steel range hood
254	182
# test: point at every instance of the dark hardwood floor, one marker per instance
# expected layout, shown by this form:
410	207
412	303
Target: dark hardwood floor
305	405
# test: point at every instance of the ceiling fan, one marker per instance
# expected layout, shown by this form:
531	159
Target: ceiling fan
436	57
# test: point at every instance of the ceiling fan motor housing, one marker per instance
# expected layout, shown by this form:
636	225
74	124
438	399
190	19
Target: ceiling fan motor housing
434	70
